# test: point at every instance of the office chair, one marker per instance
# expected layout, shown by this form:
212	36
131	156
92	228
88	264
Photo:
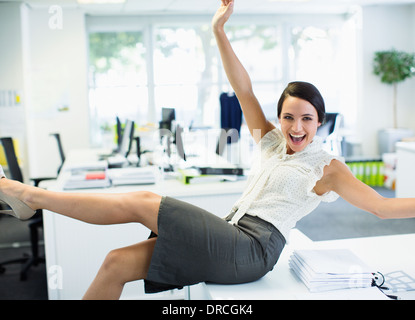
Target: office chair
35	223
329	131
60	148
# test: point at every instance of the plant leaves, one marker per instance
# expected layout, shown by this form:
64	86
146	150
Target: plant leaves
394	66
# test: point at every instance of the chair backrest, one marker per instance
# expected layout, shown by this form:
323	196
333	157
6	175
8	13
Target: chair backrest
12	162
61	153
328	127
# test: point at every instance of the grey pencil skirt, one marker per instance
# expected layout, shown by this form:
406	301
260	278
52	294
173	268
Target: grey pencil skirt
194	246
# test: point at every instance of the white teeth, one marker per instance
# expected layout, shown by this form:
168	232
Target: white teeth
294	136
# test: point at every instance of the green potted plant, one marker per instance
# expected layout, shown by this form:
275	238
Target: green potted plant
393	67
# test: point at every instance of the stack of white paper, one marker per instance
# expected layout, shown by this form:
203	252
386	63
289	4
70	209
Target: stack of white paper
75	168
84	179
323	270
139	175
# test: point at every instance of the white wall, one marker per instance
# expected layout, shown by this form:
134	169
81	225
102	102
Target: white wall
57	86
12	119
384	28
47	63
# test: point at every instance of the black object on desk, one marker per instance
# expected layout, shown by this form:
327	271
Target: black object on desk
138	146
221	171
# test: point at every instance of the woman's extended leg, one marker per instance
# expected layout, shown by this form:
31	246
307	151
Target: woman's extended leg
121	266
101	208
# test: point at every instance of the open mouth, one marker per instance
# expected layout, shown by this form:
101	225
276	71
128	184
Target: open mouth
297	139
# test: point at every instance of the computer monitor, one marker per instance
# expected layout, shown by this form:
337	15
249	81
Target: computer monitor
127	138
119	131
168	114
179	142
167	117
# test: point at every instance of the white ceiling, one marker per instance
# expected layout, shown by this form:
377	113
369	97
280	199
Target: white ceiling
210	6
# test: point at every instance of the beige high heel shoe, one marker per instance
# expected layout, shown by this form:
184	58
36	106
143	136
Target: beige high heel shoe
18	208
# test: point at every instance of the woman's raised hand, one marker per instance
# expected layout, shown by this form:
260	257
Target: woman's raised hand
222	15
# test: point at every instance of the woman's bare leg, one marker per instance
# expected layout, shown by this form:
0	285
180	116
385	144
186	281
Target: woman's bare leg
101	208
121	266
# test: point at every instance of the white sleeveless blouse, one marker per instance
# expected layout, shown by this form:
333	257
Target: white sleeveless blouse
280	187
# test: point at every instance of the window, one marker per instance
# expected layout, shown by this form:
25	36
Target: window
135	73
117	80
259	49
184	73
324	57
189	76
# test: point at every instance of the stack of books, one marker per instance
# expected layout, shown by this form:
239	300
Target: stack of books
85	179
332	269
128	176
101	177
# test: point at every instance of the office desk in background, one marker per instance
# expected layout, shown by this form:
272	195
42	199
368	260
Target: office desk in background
75	250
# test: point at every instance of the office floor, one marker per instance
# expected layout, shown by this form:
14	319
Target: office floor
12	232
337	220
341	220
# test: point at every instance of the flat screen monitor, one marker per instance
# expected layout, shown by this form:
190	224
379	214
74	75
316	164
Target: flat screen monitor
168	114
119	133
127	138
167	117
179	142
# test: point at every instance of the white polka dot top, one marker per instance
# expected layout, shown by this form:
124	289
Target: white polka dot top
280	187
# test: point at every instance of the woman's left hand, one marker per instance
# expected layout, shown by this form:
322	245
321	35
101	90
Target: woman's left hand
222	15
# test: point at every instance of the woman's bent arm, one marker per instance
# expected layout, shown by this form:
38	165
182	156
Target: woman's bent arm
339	178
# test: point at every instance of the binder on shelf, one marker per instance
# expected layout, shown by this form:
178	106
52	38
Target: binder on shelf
370	171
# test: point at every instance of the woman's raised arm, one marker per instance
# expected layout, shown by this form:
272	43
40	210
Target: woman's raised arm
238	77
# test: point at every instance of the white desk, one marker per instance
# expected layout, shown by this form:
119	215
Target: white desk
385	254
75	250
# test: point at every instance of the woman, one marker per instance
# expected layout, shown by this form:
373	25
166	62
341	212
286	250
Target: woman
291	176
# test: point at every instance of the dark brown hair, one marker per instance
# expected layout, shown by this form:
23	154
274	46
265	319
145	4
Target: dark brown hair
305	91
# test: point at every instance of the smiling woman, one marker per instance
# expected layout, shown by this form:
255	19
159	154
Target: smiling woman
300	112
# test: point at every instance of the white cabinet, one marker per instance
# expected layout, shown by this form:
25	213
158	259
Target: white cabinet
405	170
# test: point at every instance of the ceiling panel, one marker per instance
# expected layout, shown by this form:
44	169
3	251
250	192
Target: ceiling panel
138	6
210	6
